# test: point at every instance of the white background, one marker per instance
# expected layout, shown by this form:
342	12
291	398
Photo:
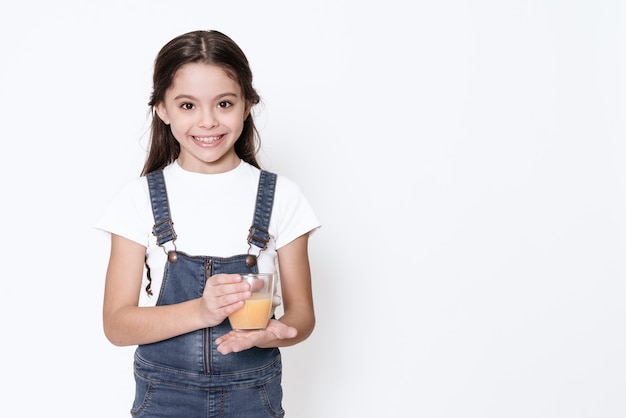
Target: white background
466	159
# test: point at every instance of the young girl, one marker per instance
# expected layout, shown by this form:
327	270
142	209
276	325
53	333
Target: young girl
201	214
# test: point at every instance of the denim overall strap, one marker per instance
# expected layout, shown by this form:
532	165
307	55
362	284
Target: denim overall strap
163	226
258	233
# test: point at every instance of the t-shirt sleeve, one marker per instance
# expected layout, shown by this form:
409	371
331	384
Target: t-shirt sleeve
292	212
128	213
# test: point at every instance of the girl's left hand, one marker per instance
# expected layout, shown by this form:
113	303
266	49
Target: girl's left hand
236	341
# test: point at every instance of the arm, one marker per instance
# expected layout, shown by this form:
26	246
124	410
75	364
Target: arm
297	293
298	320
125	323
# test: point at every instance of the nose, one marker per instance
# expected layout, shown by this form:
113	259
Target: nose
208	119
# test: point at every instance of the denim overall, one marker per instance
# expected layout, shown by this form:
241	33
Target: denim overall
185	376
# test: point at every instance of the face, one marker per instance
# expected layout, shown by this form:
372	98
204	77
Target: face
205	109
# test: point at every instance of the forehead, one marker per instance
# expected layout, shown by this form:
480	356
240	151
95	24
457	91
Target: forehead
202	78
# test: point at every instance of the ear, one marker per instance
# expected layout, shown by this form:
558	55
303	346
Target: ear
162	113
246	113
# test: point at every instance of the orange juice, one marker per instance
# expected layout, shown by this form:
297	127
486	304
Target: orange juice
254	314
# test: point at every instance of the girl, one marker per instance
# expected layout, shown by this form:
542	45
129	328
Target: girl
201	214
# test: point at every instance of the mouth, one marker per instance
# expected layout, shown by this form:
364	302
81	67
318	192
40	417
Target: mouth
207	139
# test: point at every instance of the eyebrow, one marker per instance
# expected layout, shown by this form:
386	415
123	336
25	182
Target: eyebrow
190	97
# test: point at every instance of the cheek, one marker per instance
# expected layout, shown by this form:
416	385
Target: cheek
181	122
238	118
178	128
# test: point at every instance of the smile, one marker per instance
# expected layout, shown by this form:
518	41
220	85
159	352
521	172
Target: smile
207	139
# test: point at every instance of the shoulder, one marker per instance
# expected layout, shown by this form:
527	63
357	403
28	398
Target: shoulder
133	189
285	186
289	197
128	213
293	215
132	199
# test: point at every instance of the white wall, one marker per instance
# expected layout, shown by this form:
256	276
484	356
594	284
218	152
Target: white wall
466	159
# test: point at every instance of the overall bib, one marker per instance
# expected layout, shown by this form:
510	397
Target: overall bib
185	376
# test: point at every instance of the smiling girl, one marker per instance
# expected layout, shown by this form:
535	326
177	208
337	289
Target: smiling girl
202	213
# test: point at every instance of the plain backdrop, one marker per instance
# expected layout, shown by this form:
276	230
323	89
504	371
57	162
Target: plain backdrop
465	157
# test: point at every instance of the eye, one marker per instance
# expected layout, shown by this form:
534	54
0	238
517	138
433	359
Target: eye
187	106
224	104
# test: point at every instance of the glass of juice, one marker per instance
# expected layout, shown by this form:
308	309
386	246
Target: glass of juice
256	311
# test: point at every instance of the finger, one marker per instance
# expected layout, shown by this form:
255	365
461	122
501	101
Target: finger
217	290
223	278
282	331
236	341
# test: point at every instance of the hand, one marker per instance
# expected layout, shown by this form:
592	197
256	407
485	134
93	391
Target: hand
236	341
223	295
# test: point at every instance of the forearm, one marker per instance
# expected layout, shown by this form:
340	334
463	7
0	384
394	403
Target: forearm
302	320
132	325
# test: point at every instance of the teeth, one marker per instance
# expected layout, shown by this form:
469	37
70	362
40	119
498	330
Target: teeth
207	139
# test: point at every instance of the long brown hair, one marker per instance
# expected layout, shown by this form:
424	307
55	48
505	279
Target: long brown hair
210	47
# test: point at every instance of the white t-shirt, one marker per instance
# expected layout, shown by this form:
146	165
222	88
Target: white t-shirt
212	214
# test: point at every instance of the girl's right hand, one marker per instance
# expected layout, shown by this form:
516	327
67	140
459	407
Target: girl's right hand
223	295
